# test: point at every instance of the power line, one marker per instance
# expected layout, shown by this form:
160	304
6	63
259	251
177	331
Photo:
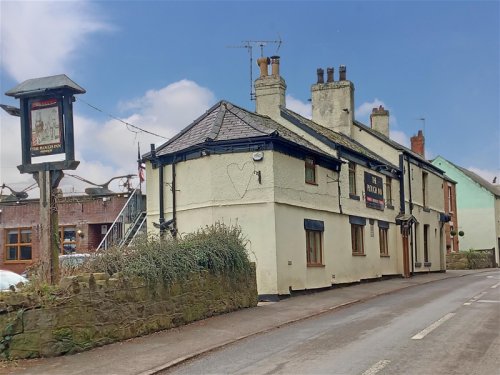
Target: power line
128	124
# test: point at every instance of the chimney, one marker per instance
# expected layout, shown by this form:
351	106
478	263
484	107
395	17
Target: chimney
379	120
418	143
321	78
329	74
333	102
269	89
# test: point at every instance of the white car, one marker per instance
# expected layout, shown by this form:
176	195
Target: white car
9	278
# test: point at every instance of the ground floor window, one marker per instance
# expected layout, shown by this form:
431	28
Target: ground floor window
18	244
67	238
314	241
357	239
314	247
384	246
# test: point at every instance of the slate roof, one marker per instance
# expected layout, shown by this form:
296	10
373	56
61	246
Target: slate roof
396	145
228	122
338	138
35	85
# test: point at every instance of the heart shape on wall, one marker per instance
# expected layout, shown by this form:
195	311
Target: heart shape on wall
240	176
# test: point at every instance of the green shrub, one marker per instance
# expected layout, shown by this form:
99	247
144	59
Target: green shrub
217	248
478	259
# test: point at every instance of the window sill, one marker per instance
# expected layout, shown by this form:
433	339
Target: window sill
358	254
312	183
390	207
385	256
315	265
427	264
18	261
354	197
418	264
426	209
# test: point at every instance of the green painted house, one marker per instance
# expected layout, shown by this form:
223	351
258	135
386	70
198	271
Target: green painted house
478	206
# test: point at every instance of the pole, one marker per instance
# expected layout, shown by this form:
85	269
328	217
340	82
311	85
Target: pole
49	226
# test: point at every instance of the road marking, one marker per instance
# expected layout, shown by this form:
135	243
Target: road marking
495	286
488	301
432	327
376	367
467	303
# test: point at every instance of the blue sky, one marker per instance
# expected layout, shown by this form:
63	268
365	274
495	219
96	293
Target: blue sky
160	64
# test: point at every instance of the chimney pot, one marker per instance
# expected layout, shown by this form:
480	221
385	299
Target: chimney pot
329	74
263	63
321	78
342	73
275	65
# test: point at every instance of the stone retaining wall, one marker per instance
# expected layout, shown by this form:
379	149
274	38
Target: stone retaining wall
96	310
465	260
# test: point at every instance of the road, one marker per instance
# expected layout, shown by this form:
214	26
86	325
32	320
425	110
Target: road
447	327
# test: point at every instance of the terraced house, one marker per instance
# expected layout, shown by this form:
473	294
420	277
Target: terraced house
322	201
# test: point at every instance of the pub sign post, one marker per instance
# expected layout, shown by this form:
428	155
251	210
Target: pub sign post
46	111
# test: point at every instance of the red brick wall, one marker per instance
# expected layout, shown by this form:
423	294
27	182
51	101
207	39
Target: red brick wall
85	213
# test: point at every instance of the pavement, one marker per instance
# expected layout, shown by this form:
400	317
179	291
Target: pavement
151	354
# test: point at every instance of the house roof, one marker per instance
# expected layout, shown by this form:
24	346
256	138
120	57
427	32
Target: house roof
397	145
39	85
494	189
227	122
338	138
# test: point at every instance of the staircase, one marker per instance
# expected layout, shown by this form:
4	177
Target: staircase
128	223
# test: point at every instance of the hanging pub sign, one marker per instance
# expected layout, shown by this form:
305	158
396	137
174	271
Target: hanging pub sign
46	127
374	191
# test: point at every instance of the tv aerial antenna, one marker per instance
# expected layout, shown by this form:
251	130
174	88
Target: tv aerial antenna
249	45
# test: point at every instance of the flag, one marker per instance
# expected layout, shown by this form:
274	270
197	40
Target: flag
140	165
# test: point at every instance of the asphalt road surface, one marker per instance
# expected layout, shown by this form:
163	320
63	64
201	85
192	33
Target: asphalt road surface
447	327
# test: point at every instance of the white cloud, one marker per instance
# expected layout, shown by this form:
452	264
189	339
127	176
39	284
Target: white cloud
487	174
400	137
107	149
303	109
41	38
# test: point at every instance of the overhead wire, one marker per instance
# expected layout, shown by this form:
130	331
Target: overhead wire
128	124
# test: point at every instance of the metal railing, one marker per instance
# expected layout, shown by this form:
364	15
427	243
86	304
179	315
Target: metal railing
127	217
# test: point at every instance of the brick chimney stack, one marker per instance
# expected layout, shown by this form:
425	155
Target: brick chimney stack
379	120
333	101
269	89
418	143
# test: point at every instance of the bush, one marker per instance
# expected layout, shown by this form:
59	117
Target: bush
478	259
217	248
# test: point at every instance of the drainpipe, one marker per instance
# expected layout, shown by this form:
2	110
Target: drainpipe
174	202
413	234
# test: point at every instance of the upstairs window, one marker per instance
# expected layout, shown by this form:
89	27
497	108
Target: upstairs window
352	178
18	244
388	191
425	177
450	199
310	171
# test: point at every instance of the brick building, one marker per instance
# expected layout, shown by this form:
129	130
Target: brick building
83	223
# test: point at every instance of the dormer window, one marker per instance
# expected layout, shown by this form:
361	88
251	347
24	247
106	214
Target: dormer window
310	166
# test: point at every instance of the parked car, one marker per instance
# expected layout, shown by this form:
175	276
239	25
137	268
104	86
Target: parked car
9	279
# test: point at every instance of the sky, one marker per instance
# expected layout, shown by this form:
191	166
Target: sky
161	64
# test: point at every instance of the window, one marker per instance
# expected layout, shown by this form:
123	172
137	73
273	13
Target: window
314	247
352	178
67	240
310	171
388	191
357	239
424	188
384	246
18	244
426	243
450	199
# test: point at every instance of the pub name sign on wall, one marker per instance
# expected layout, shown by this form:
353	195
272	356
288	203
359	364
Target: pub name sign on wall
374	191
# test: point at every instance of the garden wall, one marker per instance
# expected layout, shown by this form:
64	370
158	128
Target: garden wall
95	310
472	259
